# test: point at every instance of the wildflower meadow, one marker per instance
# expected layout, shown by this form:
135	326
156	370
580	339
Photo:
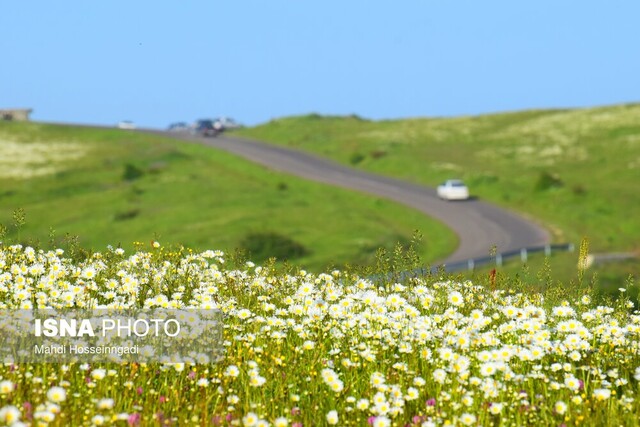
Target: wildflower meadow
334	348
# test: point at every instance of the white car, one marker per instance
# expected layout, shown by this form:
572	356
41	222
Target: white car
453	189
126	124
227	123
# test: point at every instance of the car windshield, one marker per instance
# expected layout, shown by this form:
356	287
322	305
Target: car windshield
457	184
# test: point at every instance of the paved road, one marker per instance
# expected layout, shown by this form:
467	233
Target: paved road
479	225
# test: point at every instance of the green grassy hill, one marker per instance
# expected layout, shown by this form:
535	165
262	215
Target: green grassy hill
114	187
576	171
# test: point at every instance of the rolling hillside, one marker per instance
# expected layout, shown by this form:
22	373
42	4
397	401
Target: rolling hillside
575	171
115	187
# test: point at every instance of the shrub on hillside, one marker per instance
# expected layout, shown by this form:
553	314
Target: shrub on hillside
579	190
132	172
356	158
126	215
547	181
283	186
376	154
264	245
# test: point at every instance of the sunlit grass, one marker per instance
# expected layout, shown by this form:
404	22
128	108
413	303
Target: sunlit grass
109	186
594	154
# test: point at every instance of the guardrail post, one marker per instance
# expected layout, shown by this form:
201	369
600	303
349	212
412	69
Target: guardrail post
523	254
470	264
499	260
547	250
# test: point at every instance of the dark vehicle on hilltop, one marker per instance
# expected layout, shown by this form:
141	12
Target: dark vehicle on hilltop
206	127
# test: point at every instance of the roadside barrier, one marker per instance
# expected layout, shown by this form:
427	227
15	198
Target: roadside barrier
500	257
472	263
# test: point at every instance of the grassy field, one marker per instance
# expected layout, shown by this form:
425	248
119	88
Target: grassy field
576	171
114	187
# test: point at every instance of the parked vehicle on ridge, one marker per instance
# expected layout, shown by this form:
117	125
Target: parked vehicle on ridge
206	127
126	124
178	127
228	123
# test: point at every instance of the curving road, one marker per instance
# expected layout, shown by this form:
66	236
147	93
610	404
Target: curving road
479	225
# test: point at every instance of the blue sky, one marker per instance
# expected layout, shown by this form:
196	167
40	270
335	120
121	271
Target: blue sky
157	62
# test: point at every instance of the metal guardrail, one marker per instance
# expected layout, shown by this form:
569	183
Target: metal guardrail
498	259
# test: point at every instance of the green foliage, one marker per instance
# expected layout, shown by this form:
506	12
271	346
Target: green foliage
579	190
377	154
19	218
583	257
356	158
74	250
610	285
126	215
132	172
261	246
547	181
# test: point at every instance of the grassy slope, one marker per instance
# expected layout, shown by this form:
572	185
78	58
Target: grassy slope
594	152
188	194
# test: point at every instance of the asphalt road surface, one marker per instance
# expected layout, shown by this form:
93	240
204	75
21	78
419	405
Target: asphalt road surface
480	226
